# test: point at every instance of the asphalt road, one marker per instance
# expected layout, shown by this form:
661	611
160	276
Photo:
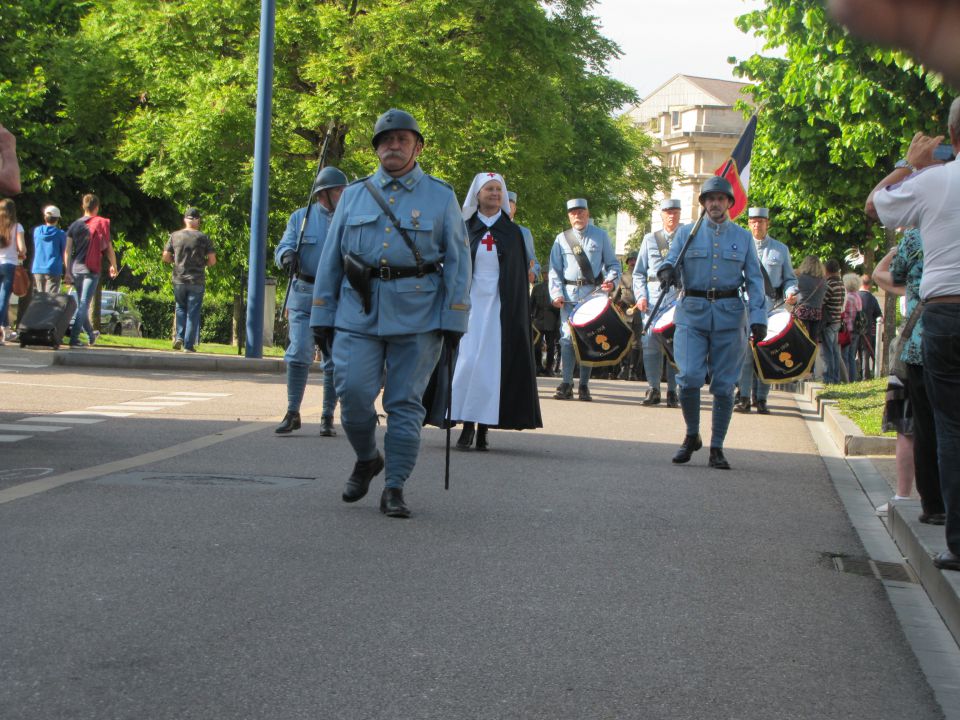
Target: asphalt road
183	561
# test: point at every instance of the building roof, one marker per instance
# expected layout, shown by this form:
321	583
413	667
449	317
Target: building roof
689	90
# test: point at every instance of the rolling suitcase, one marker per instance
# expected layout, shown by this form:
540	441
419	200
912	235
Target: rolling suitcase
46	320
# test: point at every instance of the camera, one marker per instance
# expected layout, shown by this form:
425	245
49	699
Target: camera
943	153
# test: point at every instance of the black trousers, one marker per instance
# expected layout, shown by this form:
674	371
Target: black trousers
925	465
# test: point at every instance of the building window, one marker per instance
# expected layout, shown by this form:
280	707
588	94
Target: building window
675	118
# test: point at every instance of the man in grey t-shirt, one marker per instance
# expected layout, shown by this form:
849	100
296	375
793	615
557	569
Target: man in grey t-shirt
191	253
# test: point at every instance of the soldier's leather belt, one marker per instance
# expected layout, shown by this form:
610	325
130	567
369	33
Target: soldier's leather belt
385	272
712	294
580	283
306	278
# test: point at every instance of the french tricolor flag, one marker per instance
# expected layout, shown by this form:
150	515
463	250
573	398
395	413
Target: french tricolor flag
737	168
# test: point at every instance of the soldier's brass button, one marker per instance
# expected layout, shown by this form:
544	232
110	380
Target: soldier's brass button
392	201
386	229
396	187
386	244
383	261
417	286
714	267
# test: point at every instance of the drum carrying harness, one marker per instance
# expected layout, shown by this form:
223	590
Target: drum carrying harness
582	260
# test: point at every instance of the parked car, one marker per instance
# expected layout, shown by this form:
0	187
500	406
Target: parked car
118	315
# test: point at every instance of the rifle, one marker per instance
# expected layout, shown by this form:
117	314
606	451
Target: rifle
306	216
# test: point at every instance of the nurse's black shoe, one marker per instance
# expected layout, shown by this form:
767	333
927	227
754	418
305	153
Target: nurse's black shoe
466	436
691	443
392	504
482	443
717	460
291	422
359	481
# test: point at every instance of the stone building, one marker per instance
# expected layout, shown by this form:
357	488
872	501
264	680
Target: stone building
695	127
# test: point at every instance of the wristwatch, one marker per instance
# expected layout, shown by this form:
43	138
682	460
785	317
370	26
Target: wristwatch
904	164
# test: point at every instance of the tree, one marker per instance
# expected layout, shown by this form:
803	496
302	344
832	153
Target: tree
534	104
835	114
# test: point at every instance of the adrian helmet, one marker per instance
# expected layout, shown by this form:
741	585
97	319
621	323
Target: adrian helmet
394	119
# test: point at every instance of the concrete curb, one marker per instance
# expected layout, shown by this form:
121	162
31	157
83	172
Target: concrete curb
919	543
848	437
141	360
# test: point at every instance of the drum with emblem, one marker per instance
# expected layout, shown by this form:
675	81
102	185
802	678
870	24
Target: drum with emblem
663	329
786	353
601	335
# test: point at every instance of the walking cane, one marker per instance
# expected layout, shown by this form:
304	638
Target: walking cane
683	251
306	215
449	414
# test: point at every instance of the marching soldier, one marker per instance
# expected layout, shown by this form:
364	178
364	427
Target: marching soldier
533	267
300	263
653	251
711	316
394	280
779	282
582	259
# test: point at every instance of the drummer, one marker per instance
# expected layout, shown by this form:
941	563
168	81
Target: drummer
711	317
653	249
581	261
780	284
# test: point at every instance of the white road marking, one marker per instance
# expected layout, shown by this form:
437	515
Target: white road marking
13	438
38	486
95	413
181	400
158	403
135	408
36	428
61	418
200	394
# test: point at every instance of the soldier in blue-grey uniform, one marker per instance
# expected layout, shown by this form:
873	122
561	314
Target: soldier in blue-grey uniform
646	288
712	315
300	263
533	265
392	304
779	284
569	284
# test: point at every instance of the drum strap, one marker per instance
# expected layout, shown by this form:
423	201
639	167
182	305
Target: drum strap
662	245
582	260
768	288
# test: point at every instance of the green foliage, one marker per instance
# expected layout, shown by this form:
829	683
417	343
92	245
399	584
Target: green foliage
835	115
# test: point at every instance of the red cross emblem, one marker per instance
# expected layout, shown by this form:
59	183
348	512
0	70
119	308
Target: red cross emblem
488	241
493	175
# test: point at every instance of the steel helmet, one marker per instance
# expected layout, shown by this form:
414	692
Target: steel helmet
717	184
394	119
329	177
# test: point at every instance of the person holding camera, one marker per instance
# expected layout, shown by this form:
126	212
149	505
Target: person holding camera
924	191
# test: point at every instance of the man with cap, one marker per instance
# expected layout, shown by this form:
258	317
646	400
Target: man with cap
779	282
581	259
533	267
653	251
711	315
394	280
190	252
49	252
300	261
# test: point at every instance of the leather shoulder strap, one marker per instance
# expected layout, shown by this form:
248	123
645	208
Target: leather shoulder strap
582	260
396	223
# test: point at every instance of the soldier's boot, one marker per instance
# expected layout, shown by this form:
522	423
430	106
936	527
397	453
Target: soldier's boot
326	426
742	405
392	504
583	393
762	407
564	392
290	422
691	443
652	398
672	400
717	460
359	481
